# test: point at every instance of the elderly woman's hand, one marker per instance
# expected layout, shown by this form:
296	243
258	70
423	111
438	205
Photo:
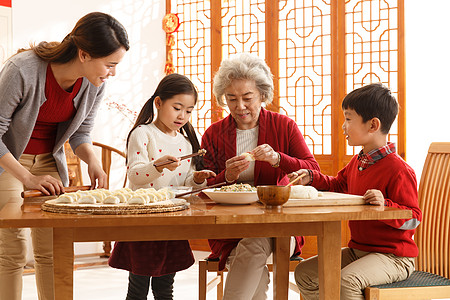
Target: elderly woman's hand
235	166
266	153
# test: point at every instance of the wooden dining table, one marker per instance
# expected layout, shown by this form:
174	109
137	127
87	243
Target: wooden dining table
205	219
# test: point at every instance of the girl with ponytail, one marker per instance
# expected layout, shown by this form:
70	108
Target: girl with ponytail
150	141
49	94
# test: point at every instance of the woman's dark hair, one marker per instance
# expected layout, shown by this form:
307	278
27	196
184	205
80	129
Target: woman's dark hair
98	34
170	86
373	101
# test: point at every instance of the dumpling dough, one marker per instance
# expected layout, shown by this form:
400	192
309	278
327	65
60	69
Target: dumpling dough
87	199
248	156
303	192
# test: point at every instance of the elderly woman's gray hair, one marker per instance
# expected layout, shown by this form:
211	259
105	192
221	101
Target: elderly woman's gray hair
243	66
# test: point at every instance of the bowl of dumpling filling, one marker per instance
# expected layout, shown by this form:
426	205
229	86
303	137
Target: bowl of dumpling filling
273	195
238	193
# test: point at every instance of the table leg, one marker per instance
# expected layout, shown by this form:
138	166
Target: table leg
281	268
329	248
63	263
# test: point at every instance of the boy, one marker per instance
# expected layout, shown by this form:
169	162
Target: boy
379	251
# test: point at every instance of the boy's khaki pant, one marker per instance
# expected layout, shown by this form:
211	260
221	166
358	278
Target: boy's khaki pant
13	242
359	270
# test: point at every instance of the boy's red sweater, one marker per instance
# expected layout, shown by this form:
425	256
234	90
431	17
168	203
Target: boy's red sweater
397	181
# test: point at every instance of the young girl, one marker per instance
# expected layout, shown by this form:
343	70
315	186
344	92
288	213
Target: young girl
150	142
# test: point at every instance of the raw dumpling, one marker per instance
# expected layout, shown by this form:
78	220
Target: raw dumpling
248	156
98	195
303	192
87	199
74	196
111	199
64	199
166	193
121	196
137	199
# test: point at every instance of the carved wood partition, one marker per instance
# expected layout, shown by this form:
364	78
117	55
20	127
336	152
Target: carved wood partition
318	51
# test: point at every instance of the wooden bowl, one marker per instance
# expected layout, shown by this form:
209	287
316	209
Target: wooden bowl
273	195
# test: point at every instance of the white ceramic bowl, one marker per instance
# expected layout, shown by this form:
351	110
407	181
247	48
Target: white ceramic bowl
231	197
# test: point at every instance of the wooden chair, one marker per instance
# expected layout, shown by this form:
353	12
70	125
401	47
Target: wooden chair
75	176
205	266
431	280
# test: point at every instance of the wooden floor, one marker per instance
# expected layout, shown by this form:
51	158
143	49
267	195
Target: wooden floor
93	279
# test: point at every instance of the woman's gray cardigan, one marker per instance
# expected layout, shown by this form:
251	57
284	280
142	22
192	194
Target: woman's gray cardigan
22	92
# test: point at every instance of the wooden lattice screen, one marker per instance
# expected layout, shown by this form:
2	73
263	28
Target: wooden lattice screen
318	51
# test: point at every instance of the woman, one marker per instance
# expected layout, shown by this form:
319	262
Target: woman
244	83
49	94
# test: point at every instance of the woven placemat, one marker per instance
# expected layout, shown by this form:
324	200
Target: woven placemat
115	209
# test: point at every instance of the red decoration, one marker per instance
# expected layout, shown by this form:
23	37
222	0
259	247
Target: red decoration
170	24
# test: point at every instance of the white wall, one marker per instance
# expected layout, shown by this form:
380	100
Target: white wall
427	77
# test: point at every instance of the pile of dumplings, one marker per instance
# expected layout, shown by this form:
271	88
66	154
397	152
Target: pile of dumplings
125	195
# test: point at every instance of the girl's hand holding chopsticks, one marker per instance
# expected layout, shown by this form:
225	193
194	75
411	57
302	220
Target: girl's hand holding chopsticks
171	159
167	162
299	177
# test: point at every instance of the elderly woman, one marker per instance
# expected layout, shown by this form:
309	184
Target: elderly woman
243	84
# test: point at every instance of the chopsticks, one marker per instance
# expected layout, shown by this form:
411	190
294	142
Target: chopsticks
200	189
200	152
38	193
297	179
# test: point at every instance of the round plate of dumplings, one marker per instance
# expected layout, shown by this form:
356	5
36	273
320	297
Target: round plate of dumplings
119	202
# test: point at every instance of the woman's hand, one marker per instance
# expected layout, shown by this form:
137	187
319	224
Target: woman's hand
234	167
170	166
304	180
97	176
374	197
200	176
266	153
47	184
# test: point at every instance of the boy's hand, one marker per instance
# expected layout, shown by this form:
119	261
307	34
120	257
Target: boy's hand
374	197
171	166
304	180
200	176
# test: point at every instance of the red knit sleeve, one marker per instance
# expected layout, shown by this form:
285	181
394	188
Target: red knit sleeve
337	184
402	193
298	155
210	160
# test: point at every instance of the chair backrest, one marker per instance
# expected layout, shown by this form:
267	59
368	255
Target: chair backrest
433	235
74	164
106	158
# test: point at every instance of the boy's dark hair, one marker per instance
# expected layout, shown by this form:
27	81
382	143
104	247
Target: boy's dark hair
373	101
